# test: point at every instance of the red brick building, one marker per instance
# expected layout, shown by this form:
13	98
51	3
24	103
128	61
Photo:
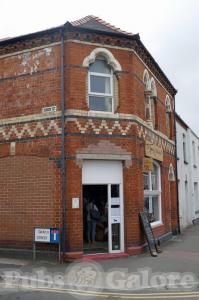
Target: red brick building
92	94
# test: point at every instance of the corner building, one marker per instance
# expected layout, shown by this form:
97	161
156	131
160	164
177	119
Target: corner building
92	94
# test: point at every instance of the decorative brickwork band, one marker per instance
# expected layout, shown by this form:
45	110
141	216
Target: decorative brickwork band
47	127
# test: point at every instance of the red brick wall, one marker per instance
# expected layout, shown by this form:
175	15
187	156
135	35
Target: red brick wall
31	184
28	82
27	187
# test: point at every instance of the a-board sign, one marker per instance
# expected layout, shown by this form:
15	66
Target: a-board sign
195	221
146	226
47	235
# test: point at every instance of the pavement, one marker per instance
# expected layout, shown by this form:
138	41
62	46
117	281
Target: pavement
174	274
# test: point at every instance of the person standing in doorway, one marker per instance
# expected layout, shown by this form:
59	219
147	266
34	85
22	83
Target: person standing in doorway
88	221
94	217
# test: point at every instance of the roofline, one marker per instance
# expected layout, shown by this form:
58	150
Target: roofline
178	118
21	38
115	34
193	133
157	65
187	126
68	25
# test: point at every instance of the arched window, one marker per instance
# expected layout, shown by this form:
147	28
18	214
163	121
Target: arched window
153	103
152	194
150	93
168	116
147	94
100	86
102	81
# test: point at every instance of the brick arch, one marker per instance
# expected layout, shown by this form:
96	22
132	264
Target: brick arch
105	150
111	60
146	81
26	198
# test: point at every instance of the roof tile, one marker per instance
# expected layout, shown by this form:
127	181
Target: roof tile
97	23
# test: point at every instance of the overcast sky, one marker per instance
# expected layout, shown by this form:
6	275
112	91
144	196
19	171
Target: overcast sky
168	28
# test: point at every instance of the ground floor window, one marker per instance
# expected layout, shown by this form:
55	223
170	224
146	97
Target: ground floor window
151	205
152	194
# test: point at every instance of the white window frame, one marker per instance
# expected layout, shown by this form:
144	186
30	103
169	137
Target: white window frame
184	145
194	153
152	193
101	94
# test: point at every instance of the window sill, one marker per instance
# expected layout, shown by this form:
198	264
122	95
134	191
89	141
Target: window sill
156	224
93	112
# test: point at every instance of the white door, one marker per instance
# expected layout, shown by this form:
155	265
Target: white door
111	174
115	212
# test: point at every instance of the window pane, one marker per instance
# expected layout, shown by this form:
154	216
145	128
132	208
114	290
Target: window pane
100	84
146	181
100	103
155	208
115	236
115	190
151	207
100	66
168	124
146	204
153	112
154	178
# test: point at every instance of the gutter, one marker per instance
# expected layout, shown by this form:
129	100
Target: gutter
63	162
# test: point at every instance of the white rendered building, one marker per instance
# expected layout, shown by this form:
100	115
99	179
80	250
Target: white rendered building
188	173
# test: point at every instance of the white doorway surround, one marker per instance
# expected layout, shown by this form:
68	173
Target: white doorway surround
110	173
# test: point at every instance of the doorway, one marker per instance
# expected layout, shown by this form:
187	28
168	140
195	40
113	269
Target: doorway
95	231
103	185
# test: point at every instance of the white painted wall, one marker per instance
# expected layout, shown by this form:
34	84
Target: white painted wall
188	176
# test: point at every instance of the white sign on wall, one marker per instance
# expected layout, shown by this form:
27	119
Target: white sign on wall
42	235
115	219
49	109
75	202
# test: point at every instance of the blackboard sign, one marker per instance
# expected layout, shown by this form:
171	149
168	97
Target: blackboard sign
196	221
146	226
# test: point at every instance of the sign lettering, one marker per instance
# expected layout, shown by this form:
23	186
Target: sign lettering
154	151
148	164
47	235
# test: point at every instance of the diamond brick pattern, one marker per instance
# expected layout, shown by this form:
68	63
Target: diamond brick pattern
30	130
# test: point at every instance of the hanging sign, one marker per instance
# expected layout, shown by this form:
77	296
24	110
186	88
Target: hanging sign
148	164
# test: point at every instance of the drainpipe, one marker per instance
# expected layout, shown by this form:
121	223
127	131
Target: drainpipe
63	162
177	192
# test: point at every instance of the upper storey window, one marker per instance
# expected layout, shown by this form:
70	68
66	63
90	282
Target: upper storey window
153	103
150	92
100	86
102	80
168	116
